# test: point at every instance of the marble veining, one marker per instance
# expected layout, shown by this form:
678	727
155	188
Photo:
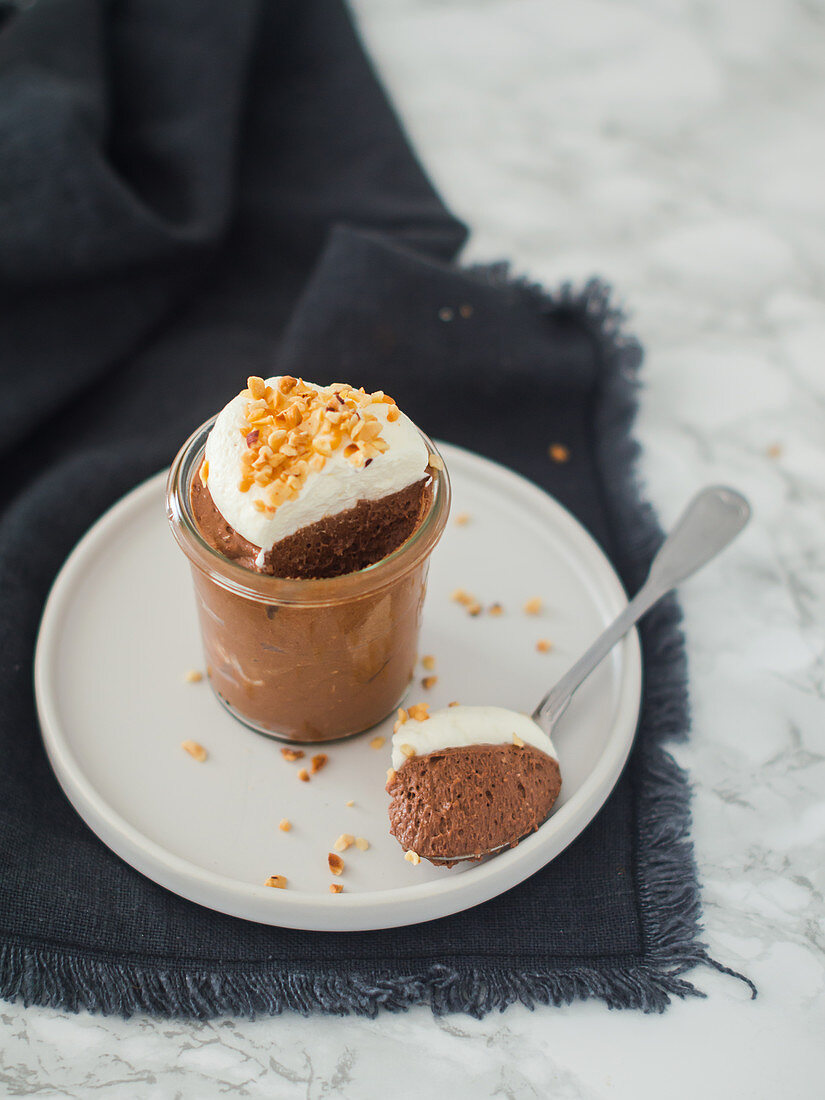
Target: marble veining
674	147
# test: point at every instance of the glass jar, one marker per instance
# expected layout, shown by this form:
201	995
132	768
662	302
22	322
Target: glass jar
306	660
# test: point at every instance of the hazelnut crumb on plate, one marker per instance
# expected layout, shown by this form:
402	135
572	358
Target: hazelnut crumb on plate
196	751
291	755
462	519
428	663
377	742
278	881
544	645
335	863
361	843
193	676
303	775
533	606
318	761
285	825
429	682
412	857
344	841
335	887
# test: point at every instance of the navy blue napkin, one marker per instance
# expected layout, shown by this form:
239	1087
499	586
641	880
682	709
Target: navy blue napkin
193	191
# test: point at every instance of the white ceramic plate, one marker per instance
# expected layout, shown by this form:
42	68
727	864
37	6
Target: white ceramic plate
120	632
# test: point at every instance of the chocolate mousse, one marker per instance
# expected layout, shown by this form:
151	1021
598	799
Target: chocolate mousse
468	781
305	487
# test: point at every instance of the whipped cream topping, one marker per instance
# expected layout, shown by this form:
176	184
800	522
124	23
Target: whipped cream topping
458	727
338	486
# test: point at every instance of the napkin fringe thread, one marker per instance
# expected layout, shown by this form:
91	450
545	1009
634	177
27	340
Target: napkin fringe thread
670	900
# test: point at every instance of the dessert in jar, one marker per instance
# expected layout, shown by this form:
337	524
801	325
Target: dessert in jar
467	781
308	514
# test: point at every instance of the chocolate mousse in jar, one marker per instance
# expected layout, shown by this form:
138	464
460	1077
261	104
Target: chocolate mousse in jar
308	514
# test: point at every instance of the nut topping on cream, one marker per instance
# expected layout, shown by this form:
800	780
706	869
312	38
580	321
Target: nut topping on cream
286	453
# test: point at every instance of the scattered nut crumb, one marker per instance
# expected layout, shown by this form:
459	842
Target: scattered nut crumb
204	473
445	314
419	712
412	857
428	663
474	608
435	462
402	716
558	452
390	774
517	741
319	761
361	843
335	887
344	841
336	864
195	750
351	802
429	682
377	742
285	825
774	450
466	310
455	703
533	606
462	519
193	676
292	754
544	645
303	775
408	751
278	881
496	609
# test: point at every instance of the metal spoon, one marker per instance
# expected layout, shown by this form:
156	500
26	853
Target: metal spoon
711	520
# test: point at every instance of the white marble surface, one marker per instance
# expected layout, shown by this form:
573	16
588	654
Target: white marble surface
674	146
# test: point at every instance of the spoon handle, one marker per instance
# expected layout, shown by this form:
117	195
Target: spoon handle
711	520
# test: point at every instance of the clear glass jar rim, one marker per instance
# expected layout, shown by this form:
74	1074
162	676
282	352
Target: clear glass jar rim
282	590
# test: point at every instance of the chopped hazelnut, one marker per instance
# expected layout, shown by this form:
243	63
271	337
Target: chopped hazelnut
428	663
361	843
303	775
193	676
402	716
558	452
474	608
292	754
517	741
455	703
336	864
544	645
412	857
377	742
350	802
390	774
335	887
419	712
318	761
278	881
496	609
408	751
285	825
533	606
429	682
198	752
462	519
344	841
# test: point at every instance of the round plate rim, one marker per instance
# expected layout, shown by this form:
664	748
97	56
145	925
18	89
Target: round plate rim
370	910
